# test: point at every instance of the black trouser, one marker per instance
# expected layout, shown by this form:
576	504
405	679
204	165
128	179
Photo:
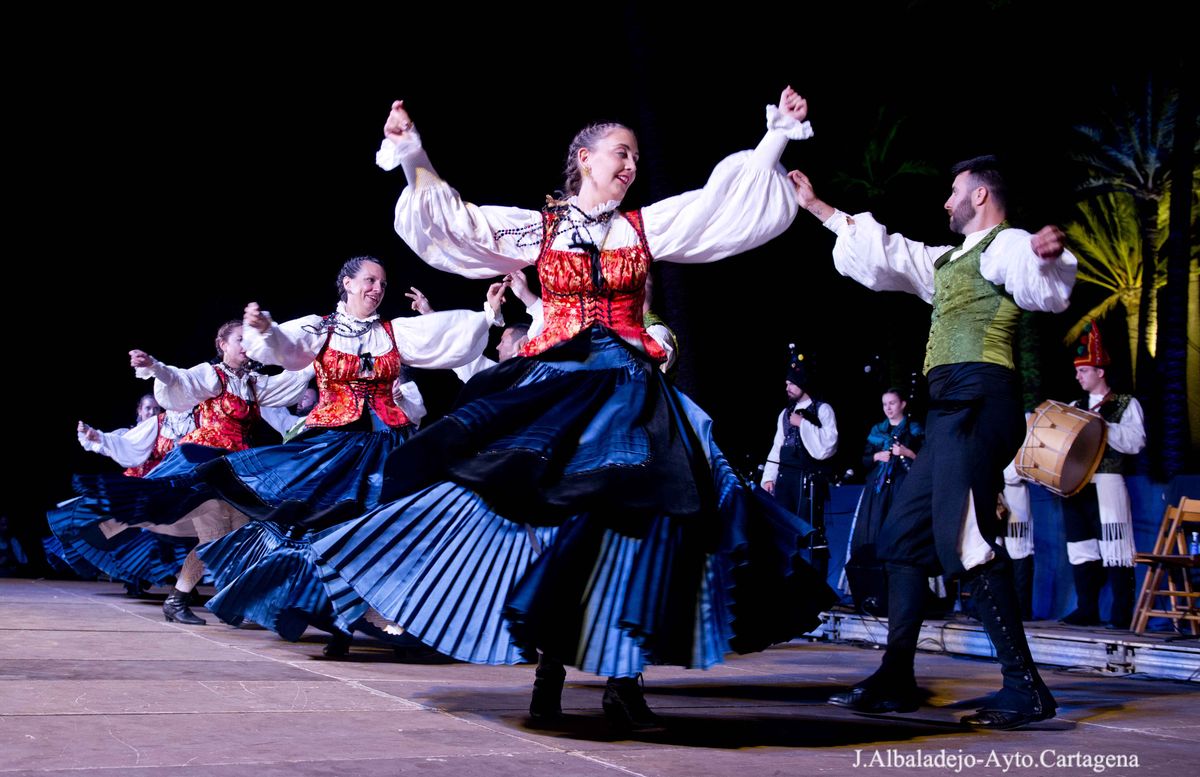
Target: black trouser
974	428
802	492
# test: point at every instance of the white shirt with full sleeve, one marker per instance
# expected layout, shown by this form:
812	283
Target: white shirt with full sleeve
820	442
441	340
179	389
535	310
131	447
281	419
882	261
1127	435
746	202
868	253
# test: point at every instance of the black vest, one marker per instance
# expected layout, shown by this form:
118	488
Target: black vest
793	455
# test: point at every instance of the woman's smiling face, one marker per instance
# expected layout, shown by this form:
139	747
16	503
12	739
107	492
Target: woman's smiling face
365	290
612	166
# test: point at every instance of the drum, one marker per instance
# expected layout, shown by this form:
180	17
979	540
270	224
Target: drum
1062	448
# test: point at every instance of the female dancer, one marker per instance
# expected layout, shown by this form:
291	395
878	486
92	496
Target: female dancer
650	549
265	571
226	395
143	447
141	557
137	558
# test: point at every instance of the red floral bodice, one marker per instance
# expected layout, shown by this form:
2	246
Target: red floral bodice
225	420
572	301
344	391
162	446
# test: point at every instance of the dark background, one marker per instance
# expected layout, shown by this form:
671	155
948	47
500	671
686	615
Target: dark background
169	176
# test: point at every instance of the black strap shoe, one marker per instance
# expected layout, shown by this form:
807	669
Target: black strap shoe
1005	720
863	699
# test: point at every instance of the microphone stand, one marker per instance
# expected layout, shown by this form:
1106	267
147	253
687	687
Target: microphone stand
818	543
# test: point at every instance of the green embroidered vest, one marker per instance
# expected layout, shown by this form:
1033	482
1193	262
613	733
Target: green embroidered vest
974	320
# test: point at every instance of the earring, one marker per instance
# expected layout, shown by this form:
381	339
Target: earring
587	172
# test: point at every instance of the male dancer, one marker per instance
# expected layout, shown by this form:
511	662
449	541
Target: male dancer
944	518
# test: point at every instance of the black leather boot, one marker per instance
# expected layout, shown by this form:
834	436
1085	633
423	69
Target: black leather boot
546	702
176	610
1023	580
338	645
1024	698
625	705
893	688
1089	578
1120	580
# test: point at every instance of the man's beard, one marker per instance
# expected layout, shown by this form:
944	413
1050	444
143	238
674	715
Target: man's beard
962	215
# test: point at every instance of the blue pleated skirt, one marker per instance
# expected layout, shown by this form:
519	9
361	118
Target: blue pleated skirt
322	471
166	495
265	575
265	570
294	483
576	504
130	556
318	479
140	555
63	558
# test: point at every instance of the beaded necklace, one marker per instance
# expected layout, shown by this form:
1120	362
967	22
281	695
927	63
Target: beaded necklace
334	324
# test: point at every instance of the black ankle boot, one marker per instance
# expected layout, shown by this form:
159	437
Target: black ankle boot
1024	698
338	645
546	702
1120	581
625	704
176	610
1089	578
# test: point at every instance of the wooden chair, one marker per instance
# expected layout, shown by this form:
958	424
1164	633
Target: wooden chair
1169	572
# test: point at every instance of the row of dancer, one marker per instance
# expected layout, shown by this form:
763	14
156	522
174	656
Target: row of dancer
213	409
214	481
574	507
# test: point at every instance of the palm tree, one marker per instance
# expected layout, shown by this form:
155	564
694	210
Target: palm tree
880	166
1107	239
1128	151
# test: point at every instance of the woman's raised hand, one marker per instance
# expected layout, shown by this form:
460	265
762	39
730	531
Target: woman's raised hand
256	318
520	286
420	302
398	122
792	104
88	432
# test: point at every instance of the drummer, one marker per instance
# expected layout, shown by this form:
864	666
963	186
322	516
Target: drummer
1099	519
